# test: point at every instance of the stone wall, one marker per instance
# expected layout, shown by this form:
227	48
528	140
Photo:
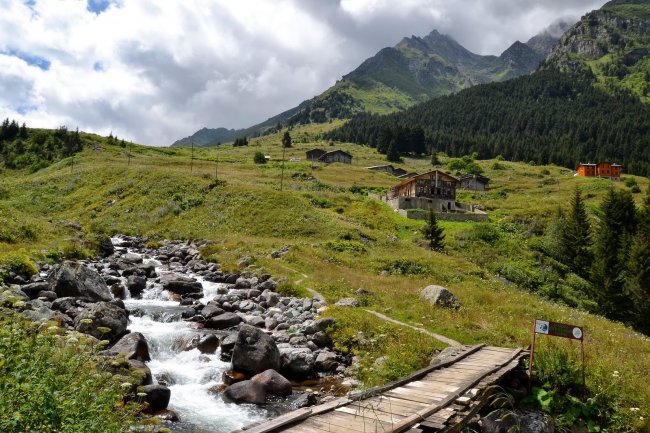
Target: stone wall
417	214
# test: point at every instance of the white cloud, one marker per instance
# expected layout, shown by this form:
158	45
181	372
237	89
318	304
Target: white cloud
155	71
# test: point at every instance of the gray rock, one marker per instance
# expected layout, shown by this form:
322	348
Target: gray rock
106	247
93	318
441	296
76	280
33	289
157	396
147	378
136	285
208	344
256	321
348	302
274	382
228	343
297	363
246	391
47	294
132	345
180	284
223	321
210	311
132	258
326	361
254	351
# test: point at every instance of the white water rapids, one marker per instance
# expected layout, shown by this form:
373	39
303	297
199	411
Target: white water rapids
190	375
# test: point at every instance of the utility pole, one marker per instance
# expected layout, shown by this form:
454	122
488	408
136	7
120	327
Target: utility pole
192	158
282	175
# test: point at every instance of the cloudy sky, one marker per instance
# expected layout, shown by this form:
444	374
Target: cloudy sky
154	71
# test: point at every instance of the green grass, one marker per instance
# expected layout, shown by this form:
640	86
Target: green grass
343	241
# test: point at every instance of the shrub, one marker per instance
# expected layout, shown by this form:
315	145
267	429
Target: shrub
75	251
20	264
343	246
152	245
405	267
259	158
55	383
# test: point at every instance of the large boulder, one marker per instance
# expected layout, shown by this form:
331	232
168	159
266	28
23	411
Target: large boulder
254	351
157	396
246	391
76	280
297	362
326	361
102	320
223	321
274	382
33	289
180	284
441	296
106	247
133	346
136	285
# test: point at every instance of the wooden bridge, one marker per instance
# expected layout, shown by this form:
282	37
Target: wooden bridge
439	398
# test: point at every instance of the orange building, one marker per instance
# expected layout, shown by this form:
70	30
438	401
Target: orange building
603	169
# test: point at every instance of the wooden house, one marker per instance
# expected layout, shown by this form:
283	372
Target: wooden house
475	182
384	168
314	154
400	172
603	169
336	156
434	184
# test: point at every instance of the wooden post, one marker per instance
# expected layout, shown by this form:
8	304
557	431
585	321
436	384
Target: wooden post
532	358
192	158
582	350
282	173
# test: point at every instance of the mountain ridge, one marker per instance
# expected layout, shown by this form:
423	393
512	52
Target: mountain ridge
395	78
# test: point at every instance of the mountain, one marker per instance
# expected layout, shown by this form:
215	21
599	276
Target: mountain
417	69
413	71
613	44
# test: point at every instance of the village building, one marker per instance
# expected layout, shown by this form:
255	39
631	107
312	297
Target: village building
314	154
475	182
431	191
389	168
336	156
603	169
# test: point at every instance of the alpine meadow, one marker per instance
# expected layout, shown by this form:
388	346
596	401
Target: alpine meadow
438	240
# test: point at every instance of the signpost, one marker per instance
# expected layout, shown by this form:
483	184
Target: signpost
555	329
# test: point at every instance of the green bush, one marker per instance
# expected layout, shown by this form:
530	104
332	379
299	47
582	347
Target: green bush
343	246
53	382
405	267
259	158
19	263
75	251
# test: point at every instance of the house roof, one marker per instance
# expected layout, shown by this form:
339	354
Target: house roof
376	167
477	177
316	150
585	164
331	152
425	175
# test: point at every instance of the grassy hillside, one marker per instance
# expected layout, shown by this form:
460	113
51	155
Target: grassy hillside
340	241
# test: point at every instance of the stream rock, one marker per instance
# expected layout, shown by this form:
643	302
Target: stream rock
223	321
157	396
73	279
246	391
136	285
297	362
95	318
180	284
133	346
254	351
274	382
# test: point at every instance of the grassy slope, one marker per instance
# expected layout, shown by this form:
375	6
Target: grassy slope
248	216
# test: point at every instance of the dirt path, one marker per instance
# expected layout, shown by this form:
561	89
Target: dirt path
439	337
321	299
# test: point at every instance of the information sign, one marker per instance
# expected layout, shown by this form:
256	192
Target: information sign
558	329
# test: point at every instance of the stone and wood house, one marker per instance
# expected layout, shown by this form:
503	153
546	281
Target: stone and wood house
475	182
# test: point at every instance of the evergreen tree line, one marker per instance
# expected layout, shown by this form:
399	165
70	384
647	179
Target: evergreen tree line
21	147
240	142
613	254
546	117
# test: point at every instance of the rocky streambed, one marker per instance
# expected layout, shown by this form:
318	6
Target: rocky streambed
218	350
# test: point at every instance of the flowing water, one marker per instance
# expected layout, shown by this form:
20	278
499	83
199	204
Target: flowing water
190	375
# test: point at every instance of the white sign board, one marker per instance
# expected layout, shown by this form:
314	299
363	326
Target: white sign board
541	326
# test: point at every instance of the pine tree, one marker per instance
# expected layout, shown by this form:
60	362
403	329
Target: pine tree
393	153
615	233
434	233
286	139
638	281
434	158
576	237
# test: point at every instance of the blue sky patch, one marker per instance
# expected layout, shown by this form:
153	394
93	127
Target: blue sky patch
98	67
31	59
24	109
98	6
